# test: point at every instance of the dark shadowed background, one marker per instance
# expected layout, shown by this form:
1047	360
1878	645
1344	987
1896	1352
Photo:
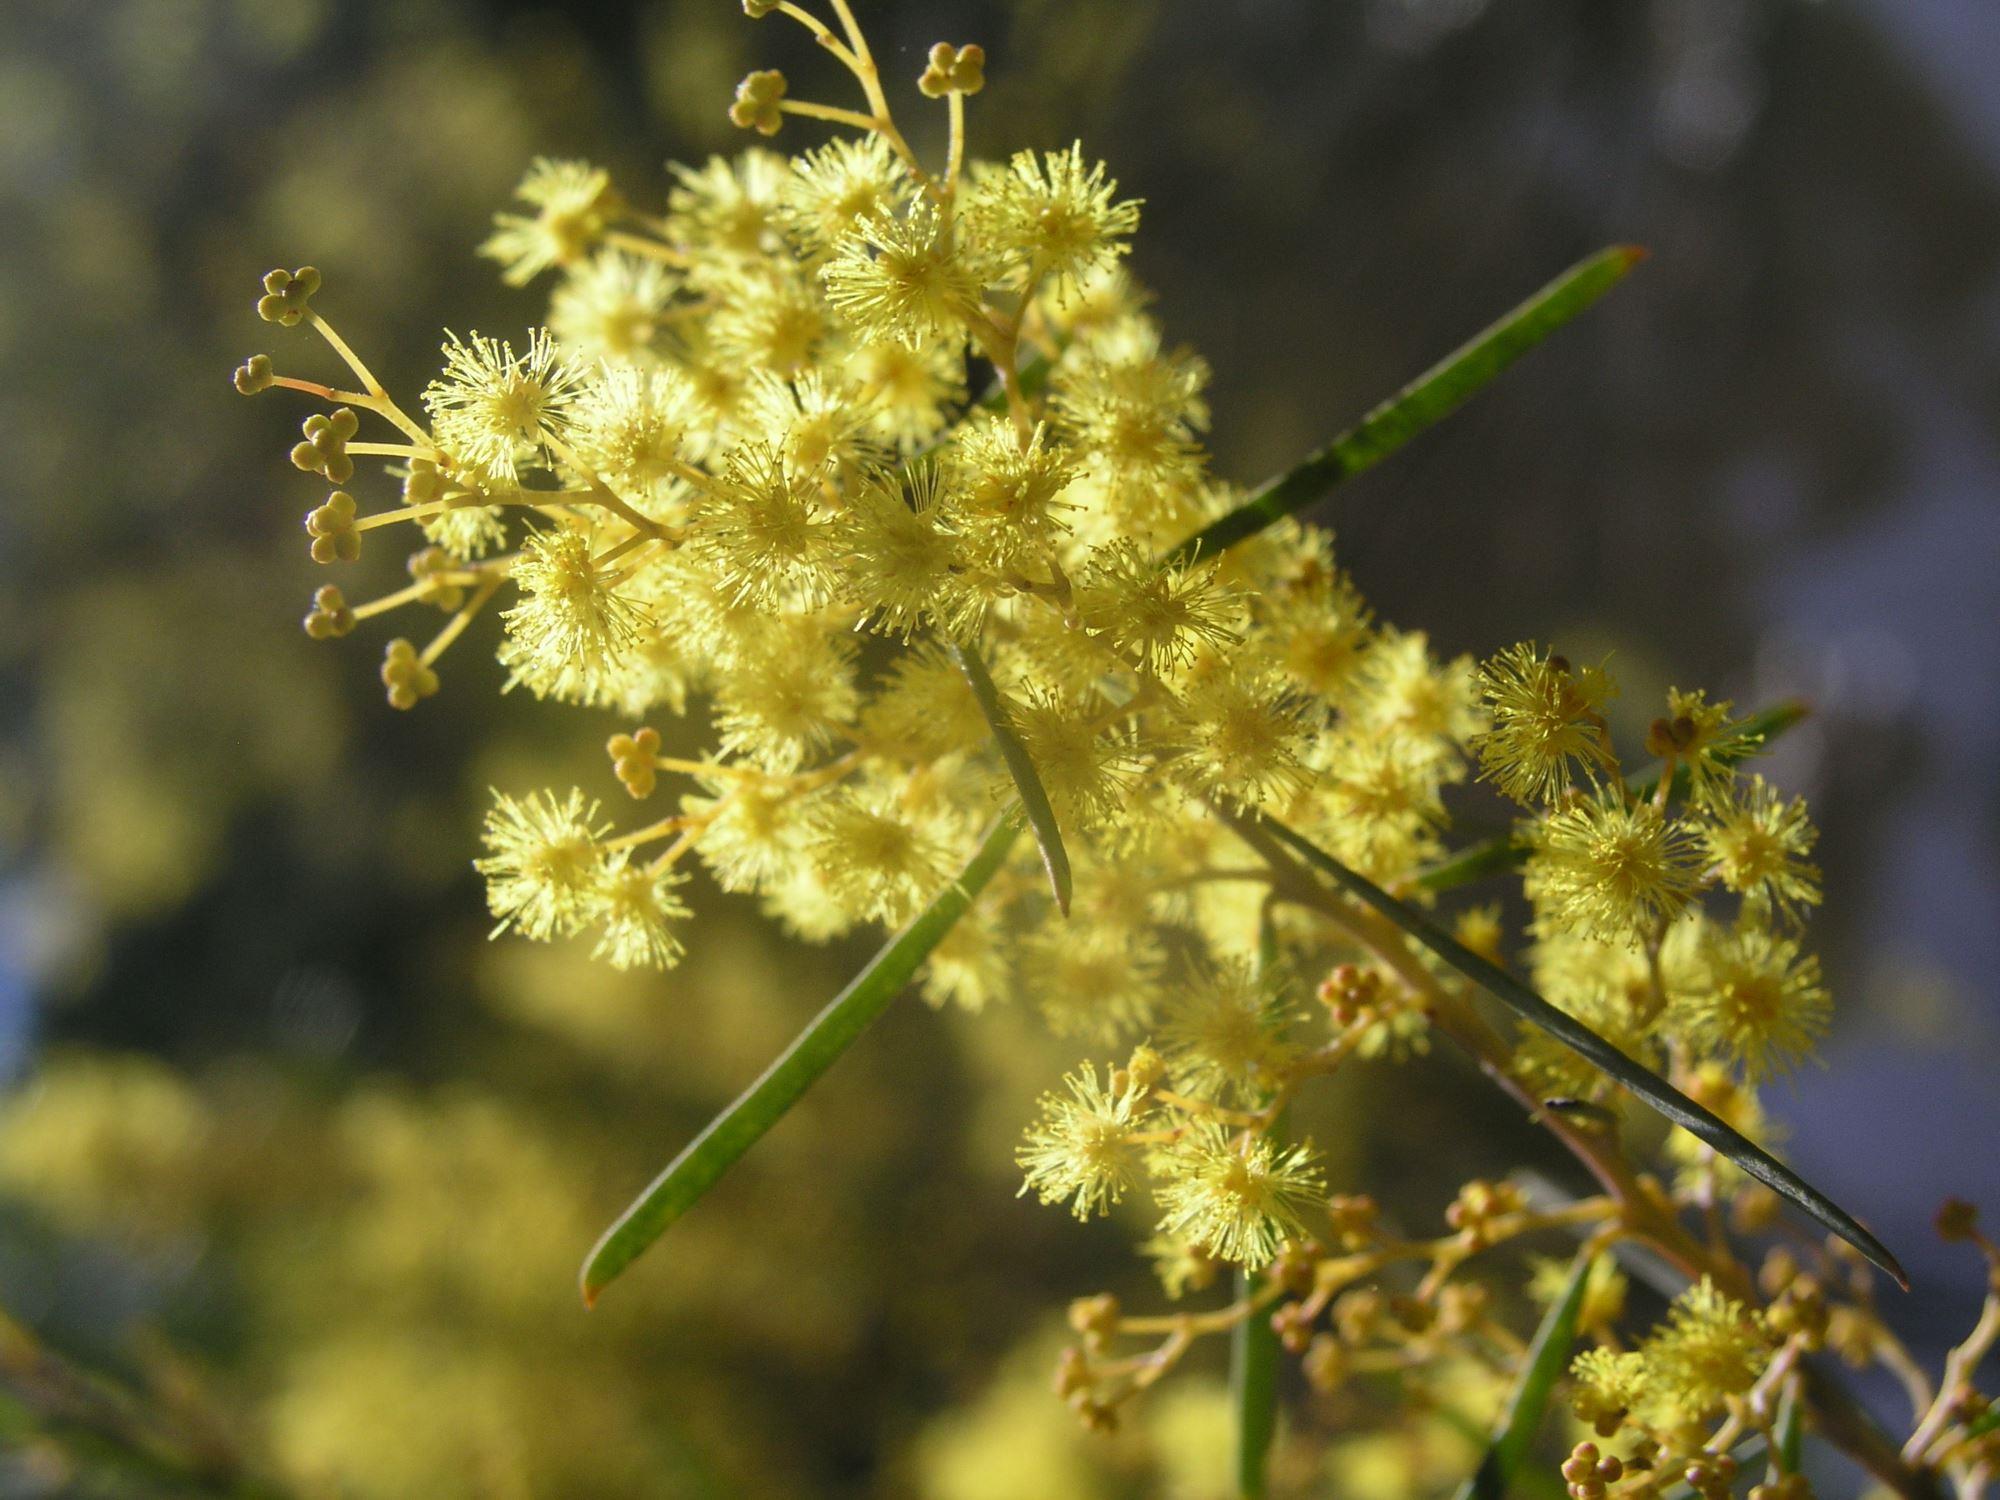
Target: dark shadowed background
286	1127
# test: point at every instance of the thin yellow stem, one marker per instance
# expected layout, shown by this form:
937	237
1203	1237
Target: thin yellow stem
400	597
639	244
611	555
825	37
395	450
455	626
955	155
326	392
864	60
650	833
601	492
353	361
831	112
380	400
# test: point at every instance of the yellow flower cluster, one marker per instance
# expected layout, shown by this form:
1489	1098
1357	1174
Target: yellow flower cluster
803	446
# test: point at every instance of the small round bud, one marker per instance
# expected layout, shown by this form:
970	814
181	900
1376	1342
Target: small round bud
1095	1318
324	450
1957	1220
1145	1069
423	484
1358	1314
953	70
1581	1463
632	758
1461	1306
287	295
254	375
1072	1373
1325	1363
428	566
405	676
756	104
1293	1325
1293	1269
1095	1415
331	526
1779	1267
1754	1209
1355	1219
1412	1315
329	617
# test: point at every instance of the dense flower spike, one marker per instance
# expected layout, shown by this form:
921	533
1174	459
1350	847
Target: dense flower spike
796	434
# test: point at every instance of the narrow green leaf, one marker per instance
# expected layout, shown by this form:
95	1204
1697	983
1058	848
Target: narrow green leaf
1425	401
1548	1356
1504	852
811	1053
1980	1426
1021	766
1253	1345
1791	1432
1253	1384
1265	834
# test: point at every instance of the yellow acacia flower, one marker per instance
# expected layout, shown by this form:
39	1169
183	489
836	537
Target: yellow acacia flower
1081	1152
1605	869
1101	984
1546	715
790	690
1237	1198
1404	689
899	553
545	863
1011	490
1710	1348
907	391
570	613
766	532
1051	215
494	409
1159	614
900	276
728	206
1699	731
876	860
636	908
573	203
1758	843
612	307
832	189
1760	1002
1224	1034
631	425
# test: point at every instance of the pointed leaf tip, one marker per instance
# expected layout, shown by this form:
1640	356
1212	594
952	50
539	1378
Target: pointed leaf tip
1547	1357
1272	838
1420	405
739	1127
